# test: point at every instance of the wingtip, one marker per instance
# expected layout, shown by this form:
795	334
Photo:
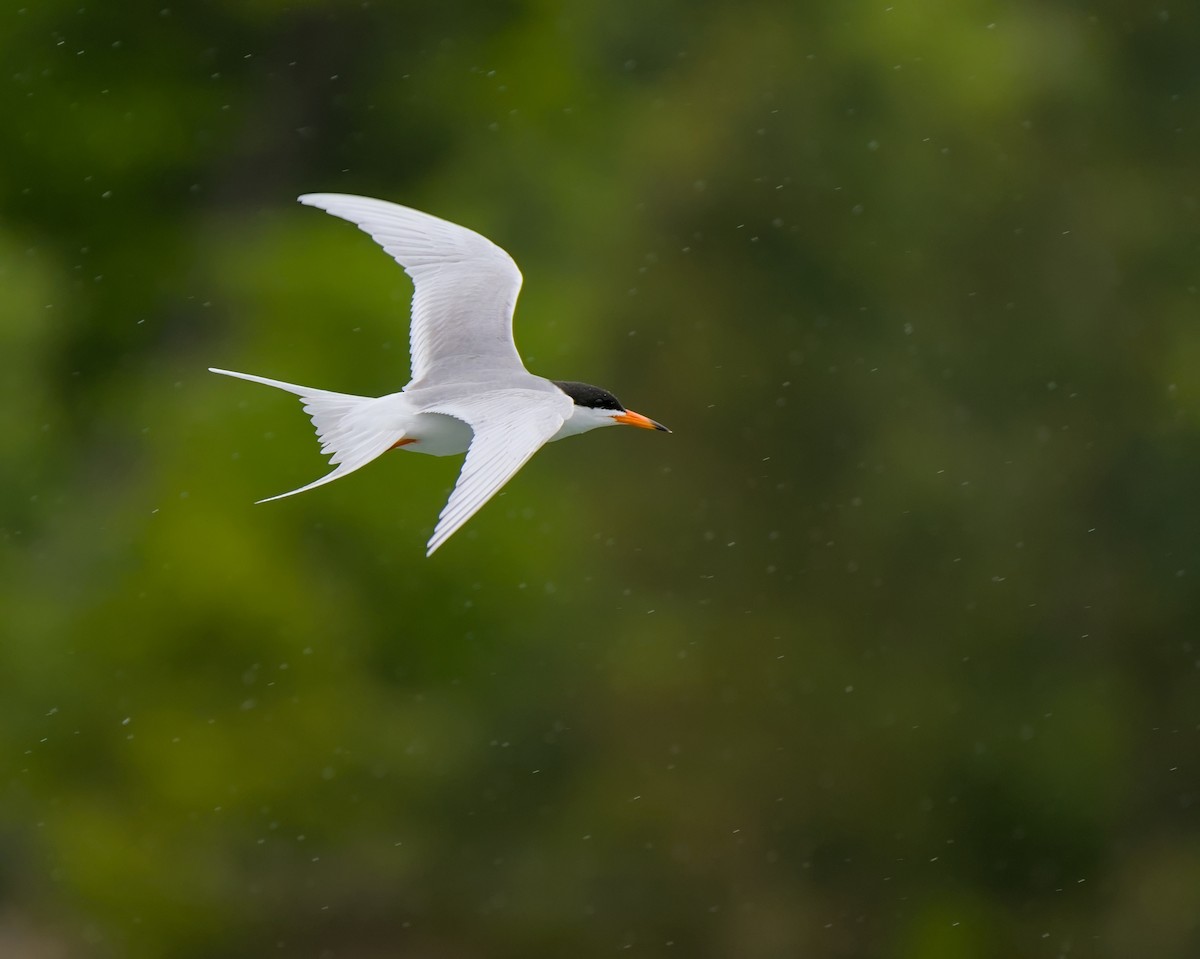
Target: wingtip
322	201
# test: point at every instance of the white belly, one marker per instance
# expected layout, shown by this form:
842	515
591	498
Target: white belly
437	434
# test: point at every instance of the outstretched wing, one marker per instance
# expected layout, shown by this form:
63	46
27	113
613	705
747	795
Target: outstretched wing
509	426
465	286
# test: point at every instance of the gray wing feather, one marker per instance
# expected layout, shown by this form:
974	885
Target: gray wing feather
465	287
509	426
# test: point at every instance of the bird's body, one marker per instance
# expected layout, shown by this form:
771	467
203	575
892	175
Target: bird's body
469	390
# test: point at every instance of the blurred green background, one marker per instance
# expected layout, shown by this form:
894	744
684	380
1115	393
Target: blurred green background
891	650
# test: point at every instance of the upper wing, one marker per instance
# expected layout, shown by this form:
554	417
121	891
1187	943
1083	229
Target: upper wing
510	426
465	286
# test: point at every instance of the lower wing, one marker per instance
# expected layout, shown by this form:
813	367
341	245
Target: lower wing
509	427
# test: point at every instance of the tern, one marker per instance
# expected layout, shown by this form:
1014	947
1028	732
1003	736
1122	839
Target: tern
469	392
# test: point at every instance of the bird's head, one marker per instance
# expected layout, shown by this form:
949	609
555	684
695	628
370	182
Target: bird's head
595	407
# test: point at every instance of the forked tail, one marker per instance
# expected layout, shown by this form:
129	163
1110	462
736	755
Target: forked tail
345	427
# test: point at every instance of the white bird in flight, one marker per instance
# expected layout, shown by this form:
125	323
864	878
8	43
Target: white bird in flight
469	390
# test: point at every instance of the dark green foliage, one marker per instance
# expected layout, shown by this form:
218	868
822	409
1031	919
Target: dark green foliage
890	650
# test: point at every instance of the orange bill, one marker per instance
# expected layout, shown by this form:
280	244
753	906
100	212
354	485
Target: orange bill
630	418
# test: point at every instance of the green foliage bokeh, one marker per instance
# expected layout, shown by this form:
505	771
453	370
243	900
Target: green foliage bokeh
890	650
